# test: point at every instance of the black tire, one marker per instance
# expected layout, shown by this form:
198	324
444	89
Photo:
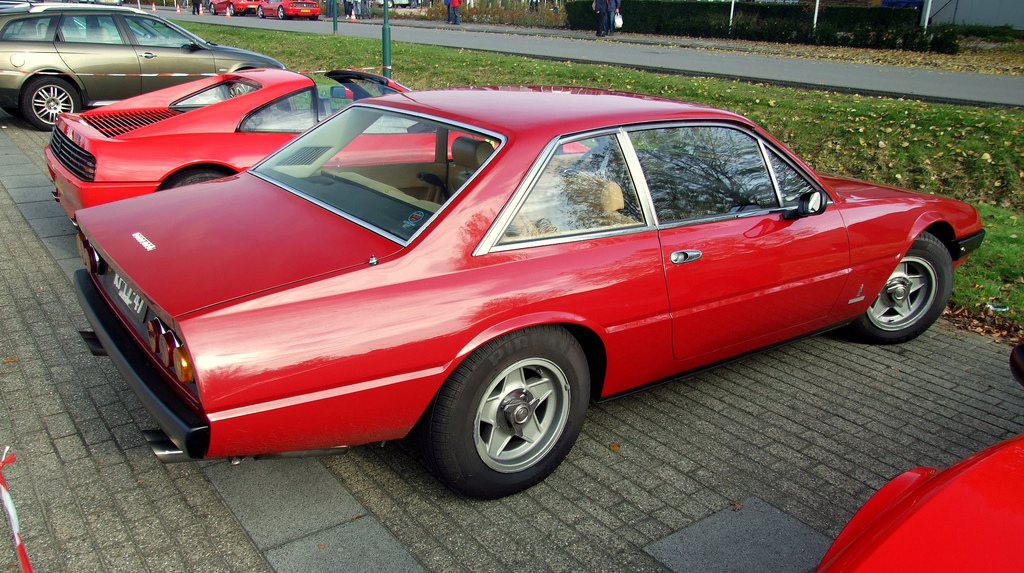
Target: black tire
44	97
314	17
230	10
467	435
12	111
211	9
190	176
912	299
280	13
259	12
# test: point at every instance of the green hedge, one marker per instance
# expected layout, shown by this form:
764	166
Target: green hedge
893	28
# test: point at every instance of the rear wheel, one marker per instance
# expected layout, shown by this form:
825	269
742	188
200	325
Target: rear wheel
231	10
189	177
913	297
211	9
259	12
280	13
45	97
509	414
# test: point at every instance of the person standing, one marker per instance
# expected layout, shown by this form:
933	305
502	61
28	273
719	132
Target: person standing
606	10
195	6
456	16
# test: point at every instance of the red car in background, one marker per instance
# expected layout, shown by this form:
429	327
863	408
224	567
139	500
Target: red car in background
969	517
441	260
288	9
205	129
232	7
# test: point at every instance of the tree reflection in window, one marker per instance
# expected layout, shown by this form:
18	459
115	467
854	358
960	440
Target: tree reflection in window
791	183
697	172
584	188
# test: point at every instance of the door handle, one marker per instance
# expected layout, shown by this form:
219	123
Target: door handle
685	256
149	55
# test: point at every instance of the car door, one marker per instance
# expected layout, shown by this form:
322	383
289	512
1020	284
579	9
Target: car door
93	48
162	49
740	275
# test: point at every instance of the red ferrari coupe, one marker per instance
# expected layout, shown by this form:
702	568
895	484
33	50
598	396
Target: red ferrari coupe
444	261
232	7
288	9
192	132
969	517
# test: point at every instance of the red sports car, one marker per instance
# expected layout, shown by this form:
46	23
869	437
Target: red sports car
288	9
193	132
447	261
969	517
232	7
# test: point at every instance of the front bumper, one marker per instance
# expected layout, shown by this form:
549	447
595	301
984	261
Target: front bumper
969	244
183	426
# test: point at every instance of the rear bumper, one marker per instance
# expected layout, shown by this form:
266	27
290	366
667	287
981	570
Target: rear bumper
969	244
187	429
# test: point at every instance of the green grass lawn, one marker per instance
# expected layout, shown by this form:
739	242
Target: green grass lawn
971	153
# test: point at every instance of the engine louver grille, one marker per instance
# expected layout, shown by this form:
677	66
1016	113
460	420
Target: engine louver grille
74	158
112	124
304	155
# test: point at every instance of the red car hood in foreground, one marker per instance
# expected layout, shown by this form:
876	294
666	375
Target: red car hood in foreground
220	239
969	517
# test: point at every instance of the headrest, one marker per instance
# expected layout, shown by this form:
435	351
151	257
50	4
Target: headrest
611	197
470	152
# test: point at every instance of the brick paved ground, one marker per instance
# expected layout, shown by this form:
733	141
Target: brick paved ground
813	429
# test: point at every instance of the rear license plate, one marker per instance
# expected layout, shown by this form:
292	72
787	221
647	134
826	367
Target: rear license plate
128	300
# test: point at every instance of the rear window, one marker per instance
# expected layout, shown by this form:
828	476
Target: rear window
216	94
387	171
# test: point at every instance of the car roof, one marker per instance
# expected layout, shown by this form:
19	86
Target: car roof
549	110
62	7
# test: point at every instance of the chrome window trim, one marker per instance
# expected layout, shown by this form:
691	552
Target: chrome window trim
490	241
501	139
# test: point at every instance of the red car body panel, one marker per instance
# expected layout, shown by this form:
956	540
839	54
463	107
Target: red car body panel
966	518
320	333
292	8
242	7
141	159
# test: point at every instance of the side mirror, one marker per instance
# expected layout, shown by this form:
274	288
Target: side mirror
810	203
341	92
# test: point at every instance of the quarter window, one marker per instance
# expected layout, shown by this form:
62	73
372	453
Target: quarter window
38	29
292	114
585	187
791	184
695	172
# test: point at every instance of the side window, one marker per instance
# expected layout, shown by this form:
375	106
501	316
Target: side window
38	29
791	183
585	187
90	29
697	172
155	33
291	114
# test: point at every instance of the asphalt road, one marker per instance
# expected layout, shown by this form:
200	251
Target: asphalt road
689	57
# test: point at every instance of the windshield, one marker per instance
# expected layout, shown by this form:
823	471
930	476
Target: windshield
388	171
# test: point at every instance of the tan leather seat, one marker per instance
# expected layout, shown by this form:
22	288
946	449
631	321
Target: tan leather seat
468	154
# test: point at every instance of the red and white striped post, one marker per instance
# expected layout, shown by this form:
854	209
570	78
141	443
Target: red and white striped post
12	516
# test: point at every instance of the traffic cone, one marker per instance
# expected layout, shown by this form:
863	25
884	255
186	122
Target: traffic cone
353	18
200	9
177	8
227	13
154	7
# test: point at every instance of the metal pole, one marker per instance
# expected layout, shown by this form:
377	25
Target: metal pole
814	26
385	38
334	12
926	14
732	9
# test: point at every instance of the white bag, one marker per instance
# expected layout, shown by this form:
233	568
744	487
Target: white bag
618	20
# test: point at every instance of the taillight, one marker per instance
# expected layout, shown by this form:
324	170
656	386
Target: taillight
90	258
172	353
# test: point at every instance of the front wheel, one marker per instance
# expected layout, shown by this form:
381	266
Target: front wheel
280	13
913	297
509	414
259	12
46	97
